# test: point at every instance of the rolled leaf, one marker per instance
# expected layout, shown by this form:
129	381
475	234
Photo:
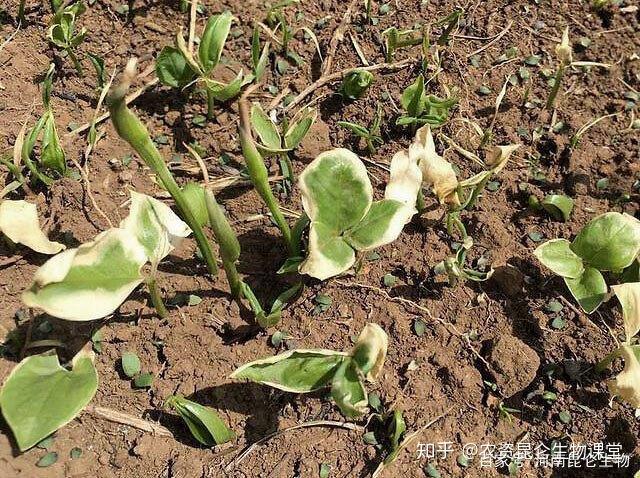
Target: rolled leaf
194	196
19	222
500	156
627	384
558	206
213	40
370	351
89	282
558	256
265	129
609	242
348	391
589	289
173	69
297	371
629	296
204	423
436	171
51	153
40	396
224	92
155	226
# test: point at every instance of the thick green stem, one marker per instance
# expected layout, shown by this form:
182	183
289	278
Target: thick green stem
156	297
260	176
228	241
76	63
211	101
131	129
556	86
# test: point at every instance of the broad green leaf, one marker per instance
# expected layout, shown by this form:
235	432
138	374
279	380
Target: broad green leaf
40	396
173	69
299	126
589	289
632	272
381	225
626	385
558	206
265	129
297	371
370	351
558	256
204	423
89	282
328	254
194	196
19	222
629	296
610	242
213	40
412	98
224	92
336	190
348	391
51	153
155	226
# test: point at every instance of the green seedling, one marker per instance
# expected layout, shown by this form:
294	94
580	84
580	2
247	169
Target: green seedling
178	67
19	223
133	131
62	32
626	385
305	371
355	83
92	281
575	139
455	267
422	108
281	143
337	196
40	396
448	23
367	9
395	39
370	135
52	155
204	423
557	205
609	242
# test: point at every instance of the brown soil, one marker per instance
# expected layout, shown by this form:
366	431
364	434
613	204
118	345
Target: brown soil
195	349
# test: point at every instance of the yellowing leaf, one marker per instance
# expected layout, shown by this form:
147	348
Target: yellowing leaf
19	222
627	384
499	157
563	49
370	351
155	226
89	282
405	179
629	296
436	171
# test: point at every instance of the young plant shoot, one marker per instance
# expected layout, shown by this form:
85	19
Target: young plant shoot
52	157
338	199
355	83
93	280
370	135
307	370
62	32
564	53
133	131
609	242
395	39
178	67
424	109
40	396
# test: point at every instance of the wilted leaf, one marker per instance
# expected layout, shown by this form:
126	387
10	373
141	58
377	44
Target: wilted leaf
370	351
436	171
19	222
348	391
39	396
629	296
627	384
265	129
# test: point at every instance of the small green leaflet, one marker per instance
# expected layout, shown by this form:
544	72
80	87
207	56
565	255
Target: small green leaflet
204	423
130	364
558	206
172	69
40	396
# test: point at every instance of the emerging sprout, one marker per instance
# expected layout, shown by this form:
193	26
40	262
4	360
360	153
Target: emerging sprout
609	242
63	35
564	53
355	83
395	39
304	371
371	135
422	108
178	67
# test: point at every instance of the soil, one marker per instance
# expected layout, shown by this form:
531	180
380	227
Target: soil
476	334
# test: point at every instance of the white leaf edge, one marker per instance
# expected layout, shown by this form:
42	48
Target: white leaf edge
19	222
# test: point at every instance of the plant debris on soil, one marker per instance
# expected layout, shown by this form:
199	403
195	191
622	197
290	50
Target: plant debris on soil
504	361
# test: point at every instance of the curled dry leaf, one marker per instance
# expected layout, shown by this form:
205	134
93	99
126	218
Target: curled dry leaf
499	156
436	171
563	49
19	222
627	384
370	351
629	296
